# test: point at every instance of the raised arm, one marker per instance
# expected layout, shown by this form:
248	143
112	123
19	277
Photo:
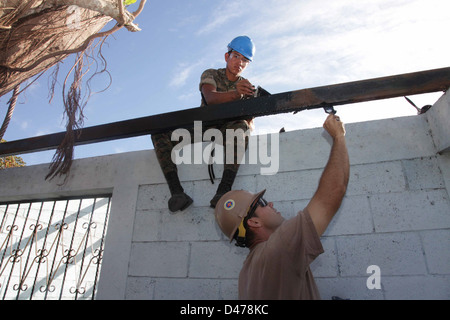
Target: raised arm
334	180
212	96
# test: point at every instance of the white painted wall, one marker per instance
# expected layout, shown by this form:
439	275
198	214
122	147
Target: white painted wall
396	214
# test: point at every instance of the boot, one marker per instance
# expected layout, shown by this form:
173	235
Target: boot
179	199
224	186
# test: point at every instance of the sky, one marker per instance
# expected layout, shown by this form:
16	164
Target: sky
299	44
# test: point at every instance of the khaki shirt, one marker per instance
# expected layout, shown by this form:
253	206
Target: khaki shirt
218	79
279	267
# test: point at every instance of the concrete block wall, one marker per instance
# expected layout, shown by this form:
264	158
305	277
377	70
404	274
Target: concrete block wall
395	215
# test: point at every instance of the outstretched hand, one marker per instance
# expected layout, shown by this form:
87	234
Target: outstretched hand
334	126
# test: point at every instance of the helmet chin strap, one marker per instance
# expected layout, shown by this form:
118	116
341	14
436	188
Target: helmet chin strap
240	239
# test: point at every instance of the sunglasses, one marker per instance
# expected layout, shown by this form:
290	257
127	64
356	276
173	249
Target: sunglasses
261	202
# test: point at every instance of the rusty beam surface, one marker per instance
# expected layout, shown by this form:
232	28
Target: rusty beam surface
293	101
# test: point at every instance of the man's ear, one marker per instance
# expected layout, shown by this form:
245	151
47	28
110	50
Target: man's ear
227	56
254	222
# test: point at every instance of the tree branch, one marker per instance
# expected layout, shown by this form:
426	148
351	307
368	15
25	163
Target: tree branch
112	8
88	40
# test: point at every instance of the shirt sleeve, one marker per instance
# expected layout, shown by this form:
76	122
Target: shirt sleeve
207	77
301	240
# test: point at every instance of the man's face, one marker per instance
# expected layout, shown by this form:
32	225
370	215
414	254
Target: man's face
269	216
236	63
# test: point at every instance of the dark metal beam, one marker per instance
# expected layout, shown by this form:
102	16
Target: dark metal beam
332	95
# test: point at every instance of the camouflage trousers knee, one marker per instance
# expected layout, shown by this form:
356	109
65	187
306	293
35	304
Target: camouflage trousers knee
235	139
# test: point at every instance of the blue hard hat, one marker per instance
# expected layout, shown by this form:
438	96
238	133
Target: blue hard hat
244	45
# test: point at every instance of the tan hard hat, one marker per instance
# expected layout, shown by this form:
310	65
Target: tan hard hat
232	208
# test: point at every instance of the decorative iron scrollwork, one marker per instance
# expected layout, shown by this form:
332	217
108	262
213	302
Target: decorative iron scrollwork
52	241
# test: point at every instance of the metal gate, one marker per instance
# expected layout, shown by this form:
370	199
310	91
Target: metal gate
52	249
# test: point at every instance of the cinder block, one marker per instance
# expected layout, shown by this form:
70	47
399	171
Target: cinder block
263	156
187	289
242	183
159	259
203	192
423	173
444	166
290	185
325	265
438	118
156	196
375	178
140	288
417	287
296	150
147	225
389	140
152	196
192	224
436	244
394	254
353	217
347	288
415	210
216	260
229	289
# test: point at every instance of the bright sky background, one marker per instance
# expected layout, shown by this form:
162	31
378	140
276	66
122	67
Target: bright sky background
299	44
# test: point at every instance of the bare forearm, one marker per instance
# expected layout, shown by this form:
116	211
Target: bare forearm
334	180
214	97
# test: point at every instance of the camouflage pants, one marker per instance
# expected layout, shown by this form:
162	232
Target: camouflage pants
164	145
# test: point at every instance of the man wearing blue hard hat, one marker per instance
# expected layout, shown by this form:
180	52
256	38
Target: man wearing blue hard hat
216	86
226	85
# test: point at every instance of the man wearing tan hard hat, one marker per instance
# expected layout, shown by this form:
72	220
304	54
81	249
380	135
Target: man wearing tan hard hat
277	266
